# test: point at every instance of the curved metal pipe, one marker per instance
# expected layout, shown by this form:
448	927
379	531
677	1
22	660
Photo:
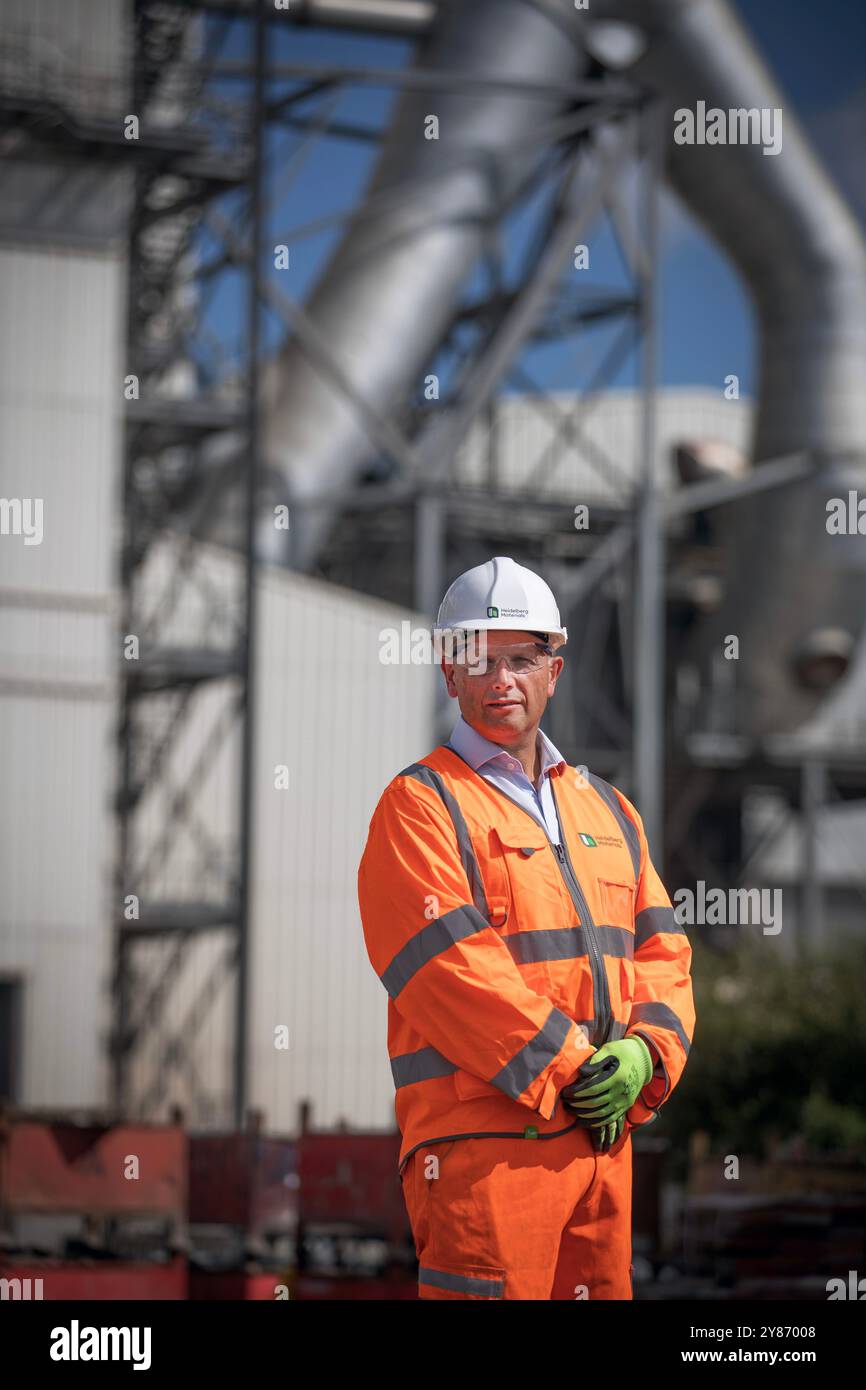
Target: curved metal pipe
386	297
803	259
779	217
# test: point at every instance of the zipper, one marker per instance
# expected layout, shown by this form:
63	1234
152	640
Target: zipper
601	993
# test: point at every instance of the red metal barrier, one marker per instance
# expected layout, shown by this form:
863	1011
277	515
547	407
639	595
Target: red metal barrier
352	1179
63	1167
94	1279
243	1180
338	1187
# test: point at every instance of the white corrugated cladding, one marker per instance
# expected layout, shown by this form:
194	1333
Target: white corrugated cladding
60	365
612	424
342	724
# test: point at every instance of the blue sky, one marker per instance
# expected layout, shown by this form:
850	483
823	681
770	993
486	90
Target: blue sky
816	51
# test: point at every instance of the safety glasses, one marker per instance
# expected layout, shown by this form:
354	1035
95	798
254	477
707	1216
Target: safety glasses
522	660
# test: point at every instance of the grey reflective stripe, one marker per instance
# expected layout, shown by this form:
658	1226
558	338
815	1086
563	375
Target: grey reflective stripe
429	942
629	829
663	1017
423	1065
566	943
534	1056
616	941
431	778
653	920
617	1031
462	1283
562	943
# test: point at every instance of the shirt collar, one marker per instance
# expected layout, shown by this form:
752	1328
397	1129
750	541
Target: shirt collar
477	750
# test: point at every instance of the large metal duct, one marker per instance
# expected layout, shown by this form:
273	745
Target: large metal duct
392	283
791	587
390	287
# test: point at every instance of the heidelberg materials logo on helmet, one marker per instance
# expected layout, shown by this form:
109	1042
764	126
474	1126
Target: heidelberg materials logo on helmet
507	612
493	612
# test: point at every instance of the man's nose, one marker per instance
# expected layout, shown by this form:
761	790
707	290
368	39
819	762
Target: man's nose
501	671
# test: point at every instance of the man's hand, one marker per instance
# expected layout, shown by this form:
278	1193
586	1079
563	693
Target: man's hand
611	1081
605	1136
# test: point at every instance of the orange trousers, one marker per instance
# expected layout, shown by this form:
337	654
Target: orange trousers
522	1218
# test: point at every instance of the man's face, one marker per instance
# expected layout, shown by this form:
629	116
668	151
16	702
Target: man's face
503	705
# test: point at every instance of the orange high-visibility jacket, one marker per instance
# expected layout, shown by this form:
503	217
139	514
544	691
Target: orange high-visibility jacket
507	959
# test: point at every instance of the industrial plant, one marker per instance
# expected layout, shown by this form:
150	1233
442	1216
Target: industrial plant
305	311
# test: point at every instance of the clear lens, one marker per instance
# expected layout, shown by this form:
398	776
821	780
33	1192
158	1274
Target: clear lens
521	661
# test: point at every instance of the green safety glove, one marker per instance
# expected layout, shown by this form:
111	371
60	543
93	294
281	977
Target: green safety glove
611	1081
605	1136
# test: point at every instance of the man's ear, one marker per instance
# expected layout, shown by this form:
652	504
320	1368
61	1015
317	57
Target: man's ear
448	673
556	666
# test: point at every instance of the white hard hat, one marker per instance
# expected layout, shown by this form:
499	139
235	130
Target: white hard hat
501	594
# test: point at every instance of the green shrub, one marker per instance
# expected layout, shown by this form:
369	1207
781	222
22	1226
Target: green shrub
779	1053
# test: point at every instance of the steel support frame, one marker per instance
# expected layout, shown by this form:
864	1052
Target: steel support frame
156	493
508	323
649	608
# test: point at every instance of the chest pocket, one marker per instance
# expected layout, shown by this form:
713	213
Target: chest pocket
522	869
617	904
526	874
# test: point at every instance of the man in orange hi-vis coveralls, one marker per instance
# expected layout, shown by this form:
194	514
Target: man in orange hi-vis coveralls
511	910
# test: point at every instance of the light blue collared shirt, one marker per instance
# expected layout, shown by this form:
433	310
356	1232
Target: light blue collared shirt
502	769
